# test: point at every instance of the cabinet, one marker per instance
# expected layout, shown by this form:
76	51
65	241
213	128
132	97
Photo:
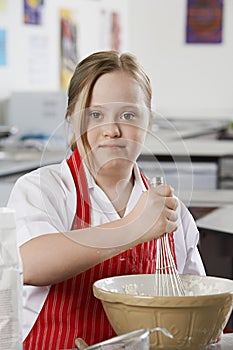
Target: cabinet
226	172
183	175
216	249
216	244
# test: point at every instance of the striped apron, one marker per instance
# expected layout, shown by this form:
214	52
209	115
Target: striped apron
70	309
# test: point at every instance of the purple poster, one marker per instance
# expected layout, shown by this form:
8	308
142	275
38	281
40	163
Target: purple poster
204	21
33	11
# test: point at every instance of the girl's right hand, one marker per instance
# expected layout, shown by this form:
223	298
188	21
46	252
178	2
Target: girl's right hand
155	212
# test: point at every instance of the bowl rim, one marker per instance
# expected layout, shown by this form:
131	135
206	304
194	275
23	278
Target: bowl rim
162	301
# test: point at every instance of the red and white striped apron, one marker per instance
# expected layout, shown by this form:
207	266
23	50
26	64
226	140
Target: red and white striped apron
71	310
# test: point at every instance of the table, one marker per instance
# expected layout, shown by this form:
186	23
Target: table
219	220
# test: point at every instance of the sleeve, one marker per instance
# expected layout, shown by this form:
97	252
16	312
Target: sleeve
44	201
192	263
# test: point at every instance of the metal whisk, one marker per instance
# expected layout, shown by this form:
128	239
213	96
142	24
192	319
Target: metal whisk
167	279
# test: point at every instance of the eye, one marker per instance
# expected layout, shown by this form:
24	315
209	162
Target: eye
95	115
127	116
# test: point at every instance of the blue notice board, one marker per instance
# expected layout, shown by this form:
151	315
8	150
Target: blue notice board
3	47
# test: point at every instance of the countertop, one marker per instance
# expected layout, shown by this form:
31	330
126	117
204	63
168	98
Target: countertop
219	220
14	161
206	198
173	143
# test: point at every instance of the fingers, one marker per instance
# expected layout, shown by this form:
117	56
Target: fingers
171	226
171	203
169	218
164	190
157	212
167	192
171	215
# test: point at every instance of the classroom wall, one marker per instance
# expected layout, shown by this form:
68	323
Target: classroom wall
188	80
33	51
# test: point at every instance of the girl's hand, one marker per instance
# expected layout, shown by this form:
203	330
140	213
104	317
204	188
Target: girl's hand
156	213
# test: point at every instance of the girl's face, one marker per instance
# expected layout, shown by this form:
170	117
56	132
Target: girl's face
116	122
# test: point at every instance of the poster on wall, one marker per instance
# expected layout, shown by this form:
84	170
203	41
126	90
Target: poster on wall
3	47
33	10
69	52
110	30
3	5
115	31
204	21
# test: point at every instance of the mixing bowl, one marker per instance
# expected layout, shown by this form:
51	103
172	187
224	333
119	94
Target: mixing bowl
195	320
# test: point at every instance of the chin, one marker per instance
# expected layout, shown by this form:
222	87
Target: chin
116	164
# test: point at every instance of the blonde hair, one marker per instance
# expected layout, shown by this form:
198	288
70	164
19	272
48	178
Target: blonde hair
89	70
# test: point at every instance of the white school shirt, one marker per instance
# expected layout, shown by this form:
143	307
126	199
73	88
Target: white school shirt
45	202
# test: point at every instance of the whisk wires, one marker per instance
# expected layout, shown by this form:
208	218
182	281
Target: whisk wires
167	279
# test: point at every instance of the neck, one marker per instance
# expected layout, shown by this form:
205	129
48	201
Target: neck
117	185
114	177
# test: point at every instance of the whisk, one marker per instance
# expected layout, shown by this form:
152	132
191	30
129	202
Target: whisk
167	279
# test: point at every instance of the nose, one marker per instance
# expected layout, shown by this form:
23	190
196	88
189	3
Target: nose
111	130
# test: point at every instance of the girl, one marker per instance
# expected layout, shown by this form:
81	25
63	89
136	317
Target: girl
94	215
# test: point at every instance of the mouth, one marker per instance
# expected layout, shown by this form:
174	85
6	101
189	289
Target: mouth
111	146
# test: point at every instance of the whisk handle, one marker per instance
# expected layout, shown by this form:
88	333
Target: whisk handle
156	181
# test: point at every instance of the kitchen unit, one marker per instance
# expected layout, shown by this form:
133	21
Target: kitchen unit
216	243
188	162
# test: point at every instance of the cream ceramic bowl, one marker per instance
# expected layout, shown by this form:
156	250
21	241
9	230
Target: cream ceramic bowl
195	320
